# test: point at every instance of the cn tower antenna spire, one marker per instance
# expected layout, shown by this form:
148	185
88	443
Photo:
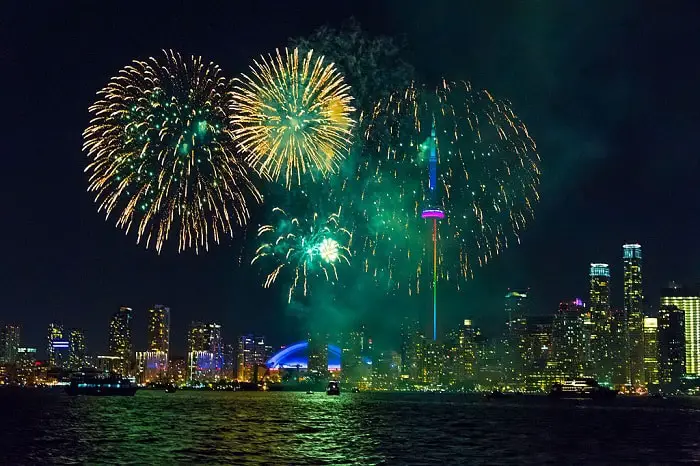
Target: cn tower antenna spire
434	212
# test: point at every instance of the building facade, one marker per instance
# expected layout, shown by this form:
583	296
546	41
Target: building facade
55	332
205	352
633	298
158	344
120	343
9	343
688	300
412	349
671	346
599	299
651	353
77	356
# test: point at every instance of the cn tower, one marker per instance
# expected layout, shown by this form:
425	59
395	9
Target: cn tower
433	212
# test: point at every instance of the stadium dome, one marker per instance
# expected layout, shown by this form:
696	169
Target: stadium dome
297	355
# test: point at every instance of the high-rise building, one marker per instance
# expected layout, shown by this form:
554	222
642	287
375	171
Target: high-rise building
205	352
651	353
55	333
632	258
27	373
688	300
671	342
76	353
120	343
460	355
617	344
9	343
351	356
318	354
434	362
569	337
599	299
412	346
158	334
251	355
517	310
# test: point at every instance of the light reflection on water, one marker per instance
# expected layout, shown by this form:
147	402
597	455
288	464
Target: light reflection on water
363	428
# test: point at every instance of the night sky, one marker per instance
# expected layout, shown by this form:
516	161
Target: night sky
609	90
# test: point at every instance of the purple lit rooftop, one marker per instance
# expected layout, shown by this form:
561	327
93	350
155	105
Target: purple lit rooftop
433	213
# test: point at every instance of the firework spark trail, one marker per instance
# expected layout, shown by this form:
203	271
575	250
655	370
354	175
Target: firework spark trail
487	184
161	156
292	117
307	247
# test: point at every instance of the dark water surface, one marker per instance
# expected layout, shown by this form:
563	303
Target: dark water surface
46	426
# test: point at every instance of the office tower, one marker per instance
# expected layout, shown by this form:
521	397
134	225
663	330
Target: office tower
9	343
632	259
569	338
539	371
617	345
205	352
412	344
55	333
177	370
434	363
651	353
27	373
120	344
385	371
517	310
599	293
158	334
76	353
460	355
252	353
687	300
351	366
671	343
318	354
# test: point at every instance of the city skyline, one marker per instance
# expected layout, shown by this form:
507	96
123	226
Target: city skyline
597	170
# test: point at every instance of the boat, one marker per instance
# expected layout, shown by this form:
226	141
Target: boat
581	388
97	383
333	388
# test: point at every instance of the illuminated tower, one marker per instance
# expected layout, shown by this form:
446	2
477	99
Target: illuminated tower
688	301
651	353
600	319
55	333
120	339
76	352
671	346
9	344
158	319
516	307
632	257
435	213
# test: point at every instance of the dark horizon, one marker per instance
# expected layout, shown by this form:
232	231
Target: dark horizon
609	92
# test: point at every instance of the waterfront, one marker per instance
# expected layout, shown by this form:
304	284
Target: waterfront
45	426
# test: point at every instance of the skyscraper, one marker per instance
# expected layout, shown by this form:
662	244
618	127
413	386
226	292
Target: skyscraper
205	352
159	328
671	341
158	333
412	345
55	333
318	353
517	309
688	300
569	338
651	353
251	354
600	319
120	344
460	355
351	356
9	344
76	353
632	258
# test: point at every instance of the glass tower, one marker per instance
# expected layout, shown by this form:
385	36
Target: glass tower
651	353
688	301
599	293
158	332
120	344
76	352
671	347
632	258
55	333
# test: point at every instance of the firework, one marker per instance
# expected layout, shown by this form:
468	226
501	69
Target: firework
303	249
487	180
292	116
161	156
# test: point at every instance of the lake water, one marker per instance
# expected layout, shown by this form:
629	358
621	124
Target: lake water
46	426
